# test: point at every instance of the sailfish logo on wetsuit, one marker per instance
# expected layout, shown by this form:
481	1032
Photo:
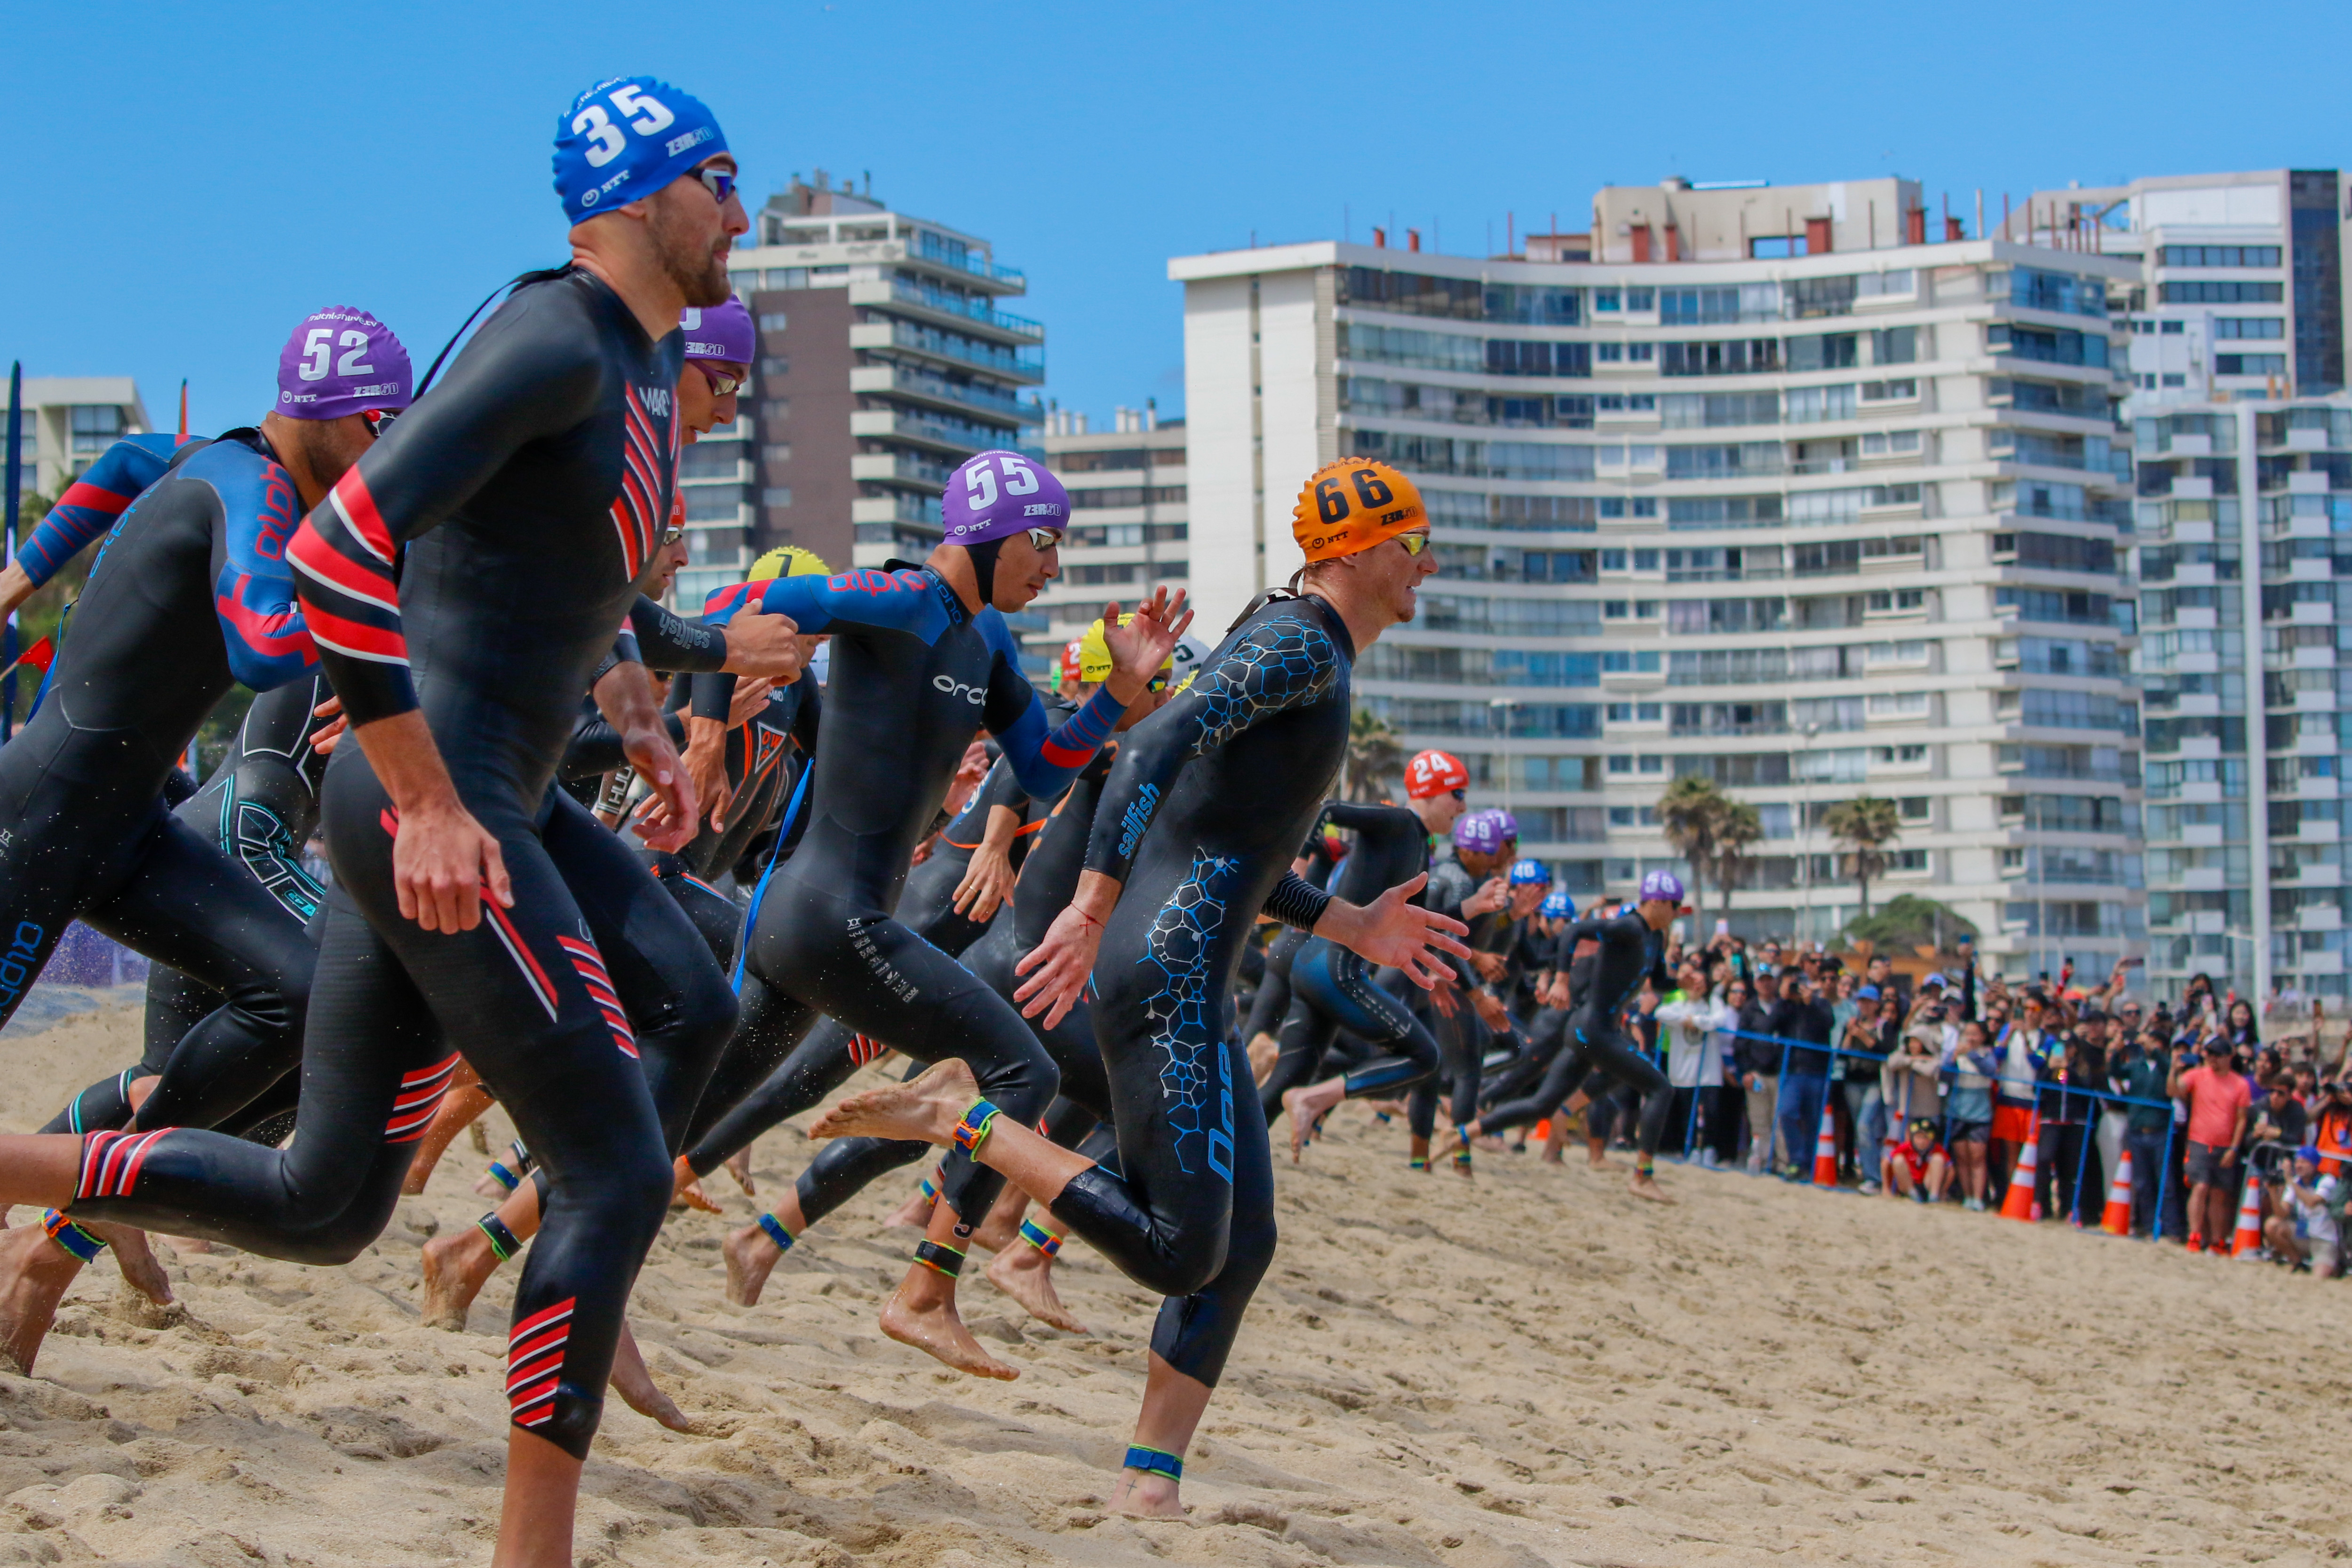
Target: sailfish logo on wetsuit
1181	945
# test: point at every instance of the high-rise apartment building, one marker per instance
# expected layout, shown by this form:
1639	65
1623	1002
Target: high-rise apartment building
1129	520
67	421
2243	277
884	362
2246	610
1768	484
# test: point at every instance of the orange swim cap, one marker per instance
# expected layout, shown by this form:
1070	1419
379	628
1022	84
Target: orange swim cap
1353	505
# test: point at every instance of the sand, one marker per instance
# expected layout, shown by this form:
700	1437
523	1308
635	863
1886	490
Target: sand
1534	1369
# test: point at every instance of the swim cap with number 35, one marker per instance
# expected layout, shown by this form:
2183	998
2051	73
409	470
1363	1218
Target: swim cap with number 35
1352	505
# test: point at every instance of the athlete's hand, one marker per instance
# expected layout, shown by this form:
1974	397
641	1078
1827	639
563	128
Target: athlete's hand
1139	648
16	587
750	697
1391	933
706	762
323	738
443	860
764	644
1488	899
1445	995
1490	966
1555	993
987	882
666	820
1490	1011
1064	960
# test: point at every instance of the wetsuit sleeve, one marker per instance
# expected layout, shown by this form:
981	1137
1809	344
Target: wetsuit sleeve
906	603
1044	761
530	372
92	503
594	749
811	717
1297	902
668	641
253	594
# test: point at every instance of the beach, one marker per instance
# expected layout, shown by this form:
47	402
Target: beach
1531	1368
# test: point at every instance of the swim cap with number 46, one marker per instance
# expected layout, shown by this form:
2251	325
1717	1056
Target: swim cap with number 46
1352	505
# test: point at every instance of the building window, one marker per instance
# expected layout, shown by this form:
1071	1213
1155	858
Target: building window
1913	807
780	496
1620	764
1654	764
2249	327
96	427
2221	255
2249	364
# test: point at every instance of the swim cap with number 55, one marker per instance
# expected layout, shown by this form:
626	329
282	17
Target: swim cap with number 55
624	139
1352	505
994	494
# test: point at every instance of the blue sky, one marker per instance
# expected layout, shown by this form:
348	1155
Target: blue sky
190	182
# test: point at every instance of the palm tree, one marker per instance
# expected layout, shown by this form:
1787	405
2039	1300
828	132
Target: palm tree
1709	828
1374	755
1864	827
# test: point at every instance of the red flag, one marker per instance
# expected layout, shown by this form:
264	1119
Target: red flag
38	656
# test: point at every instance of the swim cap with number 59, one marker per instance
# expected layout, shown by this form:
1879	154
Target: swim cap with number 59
1352	505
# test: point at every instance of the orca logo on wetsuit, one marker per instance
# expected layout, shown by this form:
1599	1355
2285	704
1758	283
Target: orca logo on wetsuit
954	687
17	965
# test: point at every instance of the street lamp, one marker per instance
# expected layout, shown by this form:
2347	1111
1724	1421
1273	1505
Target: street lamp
1501	724
1805	825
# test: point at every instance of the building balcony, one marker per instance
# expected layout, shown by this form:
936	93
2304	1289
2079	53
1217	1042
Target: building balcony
898	424
897	382
907	337
900	468
963	313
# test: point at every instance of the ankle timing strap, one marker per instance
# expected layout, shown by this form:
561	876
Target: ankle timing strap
71	1236
931	1186
973	1130
1155	1461
776	1232
1417	1163
502	1241
935	1255
1462	1155
1040	1238
511	1178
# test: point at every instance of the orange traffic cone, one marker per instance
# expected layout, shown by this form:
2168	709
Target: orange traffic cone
2249	1238
2116	1221
1825	1151
2018	1202
1542	1134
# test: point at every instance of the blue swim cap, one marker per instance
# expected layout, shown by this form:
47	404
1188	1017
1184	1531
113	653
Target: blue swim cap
1557	906
1529	873
624	139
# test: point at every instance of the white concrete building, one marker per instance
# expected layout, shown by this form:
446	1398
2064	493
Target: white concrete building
2244	756
1130	517
2242	277
1770	489
68	420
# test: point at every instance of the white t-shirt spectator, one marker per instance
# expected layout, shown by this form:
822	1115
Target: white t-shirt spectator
1693	1059
2314	1223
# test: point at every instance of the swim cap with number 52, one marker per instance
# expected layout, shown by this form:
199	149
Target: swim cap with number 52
1352	505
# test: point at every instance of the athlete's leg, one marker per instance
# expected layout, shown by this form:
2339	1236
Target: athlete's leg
714	914
1339	983
785	1059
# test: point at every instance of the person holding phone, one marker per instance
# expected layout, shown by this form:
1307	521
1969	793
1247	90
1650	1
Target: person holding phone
2221	1106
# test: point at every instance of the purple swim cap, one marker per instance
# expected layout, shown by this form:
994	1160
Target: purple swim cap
1480	832
341	361
1663	885
1506	824
720	332
997	494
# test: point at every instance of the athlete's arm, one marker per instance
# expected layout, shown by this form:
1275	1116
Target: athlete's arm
999	804
88	508
625	697
254	595
753	644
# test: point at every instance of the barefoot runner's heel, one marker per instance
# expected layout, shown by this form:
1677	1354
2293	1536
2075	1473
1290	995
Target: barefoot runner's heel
945	1260
777	1233
1156	1461
71	1236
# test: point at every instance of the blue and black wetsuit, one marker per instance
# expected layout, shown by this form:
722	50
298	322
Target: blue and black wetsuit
101	493
1331	987
473	566
914	673
1630	952
189	596
1203	811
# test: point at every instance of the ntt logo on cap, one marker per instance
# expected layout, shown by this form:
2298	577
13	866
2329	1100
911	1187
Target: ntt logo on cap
637	131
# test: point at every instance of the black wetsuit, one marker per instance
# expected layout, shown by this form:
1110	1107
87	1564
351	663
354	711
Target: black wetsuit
1331	987
1630	952
913	673
1271	1003
189	595
528	490
1201	816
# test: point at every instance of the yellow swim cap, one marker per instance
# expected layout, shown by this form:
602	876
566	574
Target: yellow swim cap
788	560
1094	654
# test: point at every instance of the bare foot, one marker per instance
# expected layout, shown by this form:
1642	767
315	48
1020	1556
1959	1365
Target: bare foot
1027	1275
1447	1142
937	1330
481	1137
1146	1494
1646	1185
926	1108
1492	1144
686	1190
1002	1229
1307	1108
750	1256
1264	1051
739	1167
184	1244
456	1269
489	1187
635	1385
137	1262
1597	1161
915	1213
34	1272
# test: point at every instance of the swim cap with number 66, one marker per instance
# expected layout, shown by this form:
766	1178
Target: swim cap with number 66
1352	505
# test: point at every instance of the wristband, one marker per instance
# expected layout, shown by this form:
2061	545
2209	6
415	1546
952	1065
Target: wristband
1040	1238
973	1131
937	1256
1154	1461
71	1236
503	1241
776	1232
